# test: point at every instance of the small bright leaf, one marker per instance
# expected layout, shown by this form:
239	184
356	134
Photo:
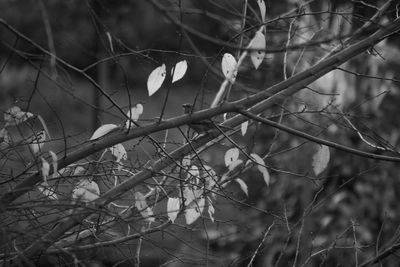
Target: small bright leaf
103	130
5	139
14	116
258	42
320	159
261	167
194	210
194	171
37	142
243	186
243	127
179	70
86	191
228	65
173	207
119	152
134	115
45	169
190	195
186	161
156	79
143	208
231	155
261	5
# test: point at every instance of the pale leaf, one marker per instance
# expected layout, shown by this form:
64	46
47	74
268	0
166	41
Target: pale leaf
261	167
190	195
14	116
194	172
5	139
243	186
54	162
37	142
143	208
258	43
156	79
119	152
194	210
320	159
261	5
179	70
235	164
103	130
45	169
231	155
243	127
134	115
228	65
86	191
186	161
173	207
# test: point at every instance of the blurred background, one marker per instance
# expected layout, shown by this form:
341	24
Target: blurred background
351	209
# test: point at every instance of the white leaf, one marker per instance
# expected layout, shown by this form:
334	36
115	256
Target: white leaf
179	70
173	207
320	159
261	167
48	192
37	142
194	210
119	152
45	169
231	155
54	162
14	116
79	170
186	161
86	191
258	42
134	115
190	195
103	130
194	172
211	211
228	65
143	208
5	139
156	79
243	127
243	186
261	5
234	164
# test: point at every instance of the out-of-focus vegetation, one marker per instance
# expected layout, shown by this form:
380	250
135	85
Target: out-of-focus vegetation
343	217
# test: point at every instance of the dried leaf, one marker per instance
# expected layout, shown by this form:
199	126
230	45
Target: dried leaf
243	127
179	70
194	210
143	208
37	142
156	79
231	155
320	159
228	65
243	186
86	191
134	115
173	207
119	152
45	169
103	130
261	167
261	5
54	162
14	116
190	195
235	164
258	42
211	211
